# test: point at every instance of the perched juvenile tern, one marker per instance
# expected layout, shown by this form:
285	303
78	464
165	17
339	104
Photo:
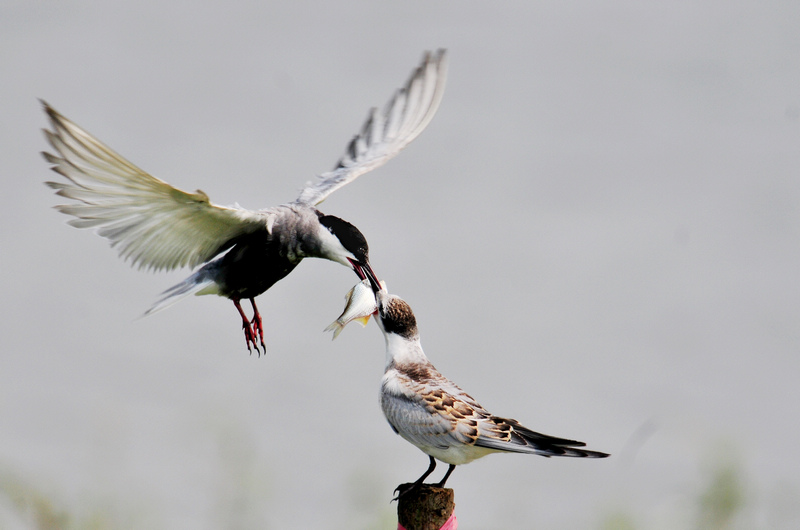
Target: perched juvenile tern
431	412
244	252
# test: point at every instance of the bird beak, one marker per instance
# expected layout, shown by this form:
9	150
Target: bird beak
364	271
380	302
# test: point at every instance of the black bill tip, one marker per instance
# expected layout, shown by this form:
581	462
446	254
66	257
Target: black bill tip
364	272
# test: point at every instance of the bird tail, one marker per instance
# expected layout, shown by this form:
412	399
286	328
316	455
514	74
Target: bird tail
513	437
198	283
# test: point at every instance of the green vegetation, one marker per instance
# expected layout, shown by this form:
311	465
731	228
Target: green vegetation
722	501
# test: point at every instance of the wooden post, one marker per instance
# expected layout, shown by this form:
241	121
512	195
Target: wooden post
425	508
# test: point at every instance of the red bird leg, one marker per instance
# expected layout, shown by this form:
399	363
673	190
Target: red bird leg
257	327
249	336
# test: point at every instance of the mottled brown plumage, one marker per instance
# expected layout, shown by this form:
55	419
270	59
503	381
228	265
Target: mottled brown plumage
437	416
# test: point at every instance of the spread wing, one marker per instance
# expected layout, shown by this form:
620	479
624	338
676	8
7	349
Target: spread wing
153	224
387	132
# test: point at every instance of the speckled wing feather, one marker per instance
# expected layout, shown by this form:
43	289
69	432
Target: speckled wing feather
430	411
386	133
153	224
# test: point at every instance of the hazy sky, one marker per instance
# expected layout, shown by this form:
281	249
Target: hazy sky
599	233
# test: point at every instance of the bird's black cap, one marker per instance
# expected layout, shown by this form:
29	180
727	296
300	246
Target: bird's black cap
351	237
353	240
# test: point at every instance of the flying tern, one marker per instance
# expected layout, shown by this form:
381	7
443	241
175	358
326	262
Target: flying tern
431	412
241	253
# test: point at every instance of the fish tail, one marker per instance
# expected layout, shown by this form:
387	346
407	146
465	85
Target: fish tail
336	327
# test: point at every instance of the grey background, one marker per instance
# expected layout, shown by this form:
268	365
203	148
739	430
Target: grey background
598	233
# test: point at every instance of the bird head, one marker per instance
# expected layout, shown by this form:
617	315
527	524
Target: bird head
395	315
352	249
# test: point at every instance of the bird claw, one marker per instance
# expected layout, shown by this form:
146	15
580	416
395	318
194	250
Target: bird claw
258	329
250	337
403	489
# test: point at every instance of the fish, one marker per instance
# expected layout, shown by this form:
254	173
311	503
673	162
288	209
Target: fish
360	305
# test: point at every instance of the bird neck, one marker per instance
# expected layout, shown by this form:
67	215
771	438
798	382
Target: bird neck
400	350
303	236
318	242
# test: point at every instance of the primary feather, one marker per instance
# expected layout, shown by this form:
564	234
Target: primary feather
386	133
153	224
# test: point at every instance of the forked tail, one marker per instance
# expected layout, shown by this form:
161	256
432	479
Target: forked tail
198	283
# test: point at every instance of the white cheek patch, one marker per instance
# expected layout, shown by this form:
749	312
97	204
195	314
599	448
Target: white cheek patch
333	249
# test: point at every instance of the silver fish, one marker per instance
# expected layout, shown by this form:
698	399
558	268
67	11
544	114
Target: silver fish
360	306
